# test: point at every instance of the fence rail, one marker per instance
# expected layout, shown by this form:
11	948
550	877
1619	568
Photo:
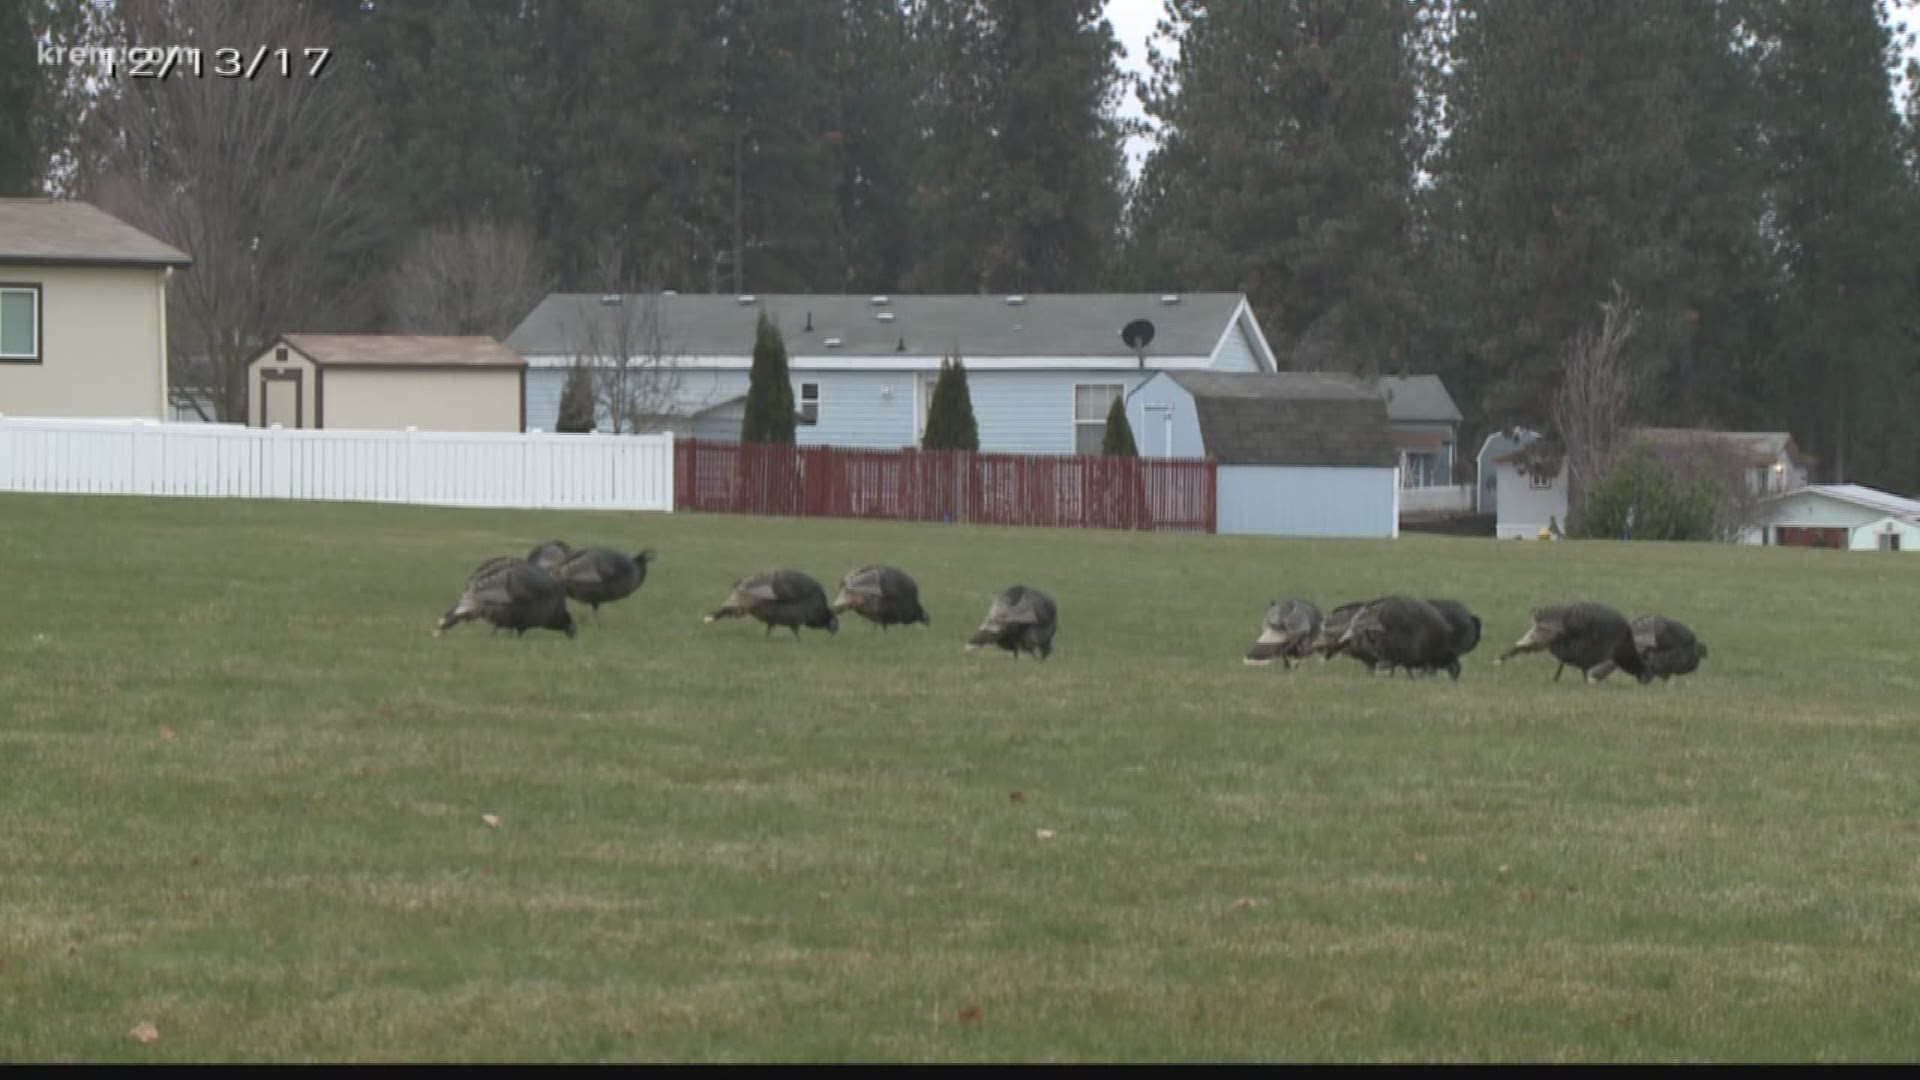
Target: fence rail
946	485
479	469
1449	497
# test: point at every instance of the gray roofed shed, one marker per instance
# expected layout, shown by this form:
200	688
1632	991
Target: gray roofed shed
1290	418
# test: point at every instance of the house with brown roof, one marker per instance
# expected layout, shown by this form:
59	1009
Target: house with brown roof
1770	462
1297	453
390	382
83	312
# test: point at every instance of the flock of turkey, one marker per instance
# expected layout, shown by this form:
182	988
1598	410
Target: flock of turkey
1425	636
531	593
1387	634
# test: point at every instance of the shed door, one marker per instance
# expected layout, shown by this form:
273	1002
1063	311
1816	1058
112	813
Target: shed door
1791	536
280	399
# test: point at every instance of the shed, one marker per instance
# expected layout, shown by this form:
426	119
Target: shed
1298	453
1849	516
388	382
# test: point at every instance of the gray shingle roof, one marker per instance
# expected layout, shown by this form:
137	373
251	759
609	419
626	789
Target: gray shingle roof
1419	398
62	232
1044	325
1290	418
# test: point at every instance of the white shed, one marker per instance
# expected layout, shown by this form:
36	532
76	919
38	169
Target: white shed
1299	454
1849	516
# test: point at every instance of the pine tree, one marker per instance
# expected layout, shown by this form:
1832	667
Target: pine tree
1286	170
950	422
1019	185
769	416
20	161
576	402
1118	439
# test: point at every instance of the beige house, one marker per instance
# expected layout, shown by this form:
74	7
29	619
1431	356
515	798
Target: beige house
388	382
83	312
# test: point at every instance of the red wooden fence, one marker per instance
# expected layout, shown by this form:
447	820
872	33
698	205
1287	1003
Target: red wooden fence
1088	492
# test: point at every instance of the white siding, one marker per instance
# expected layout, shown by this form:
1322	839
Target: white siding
1286	500
1524	509
1236	352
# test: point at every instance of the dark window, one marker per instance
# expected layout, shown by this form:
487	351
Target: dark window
20	322
809	403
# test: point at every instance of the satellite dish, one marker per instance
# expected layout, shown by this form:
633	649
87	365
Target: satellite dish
1138	334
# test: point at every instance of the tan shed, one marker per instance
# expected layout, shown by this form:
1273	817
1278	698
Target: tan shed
388	382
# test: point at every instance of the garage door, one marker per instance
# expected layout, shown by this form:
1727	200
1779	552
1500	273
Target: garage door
1787	536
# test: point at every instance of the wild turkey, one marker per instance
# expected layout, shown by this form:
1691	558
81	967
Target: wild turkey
550	554
596	576
1331	641
1466	626
1666	647
1592	637
1288	631
883	596
1019	620
512	594
1400	631
786	598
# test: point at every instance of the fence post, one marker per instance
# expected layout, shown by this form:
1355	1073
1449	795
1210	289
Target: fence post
1213	494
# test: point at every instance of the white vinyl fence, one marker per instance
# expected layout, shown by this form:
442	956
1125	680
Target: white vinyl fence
1451	497
147	457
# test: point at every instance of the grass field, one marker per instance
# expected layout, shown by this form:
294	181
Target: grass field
245	797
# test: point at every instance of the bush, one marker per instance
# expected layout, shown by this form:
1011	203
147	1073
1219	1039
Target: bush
1642	484
1118	440
770	417
576	402
950	423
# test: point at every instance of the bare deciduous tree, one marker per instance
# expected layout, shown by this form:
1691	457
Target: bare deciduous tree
1598	385
625	344
264	182
479	278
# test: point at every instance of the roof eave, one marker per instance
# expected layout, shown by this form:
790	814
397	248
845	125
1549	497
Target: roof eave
102	262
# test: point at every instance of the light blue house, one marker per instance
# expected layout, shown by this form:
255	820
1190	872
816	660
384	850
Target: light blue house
1299	454
1042	370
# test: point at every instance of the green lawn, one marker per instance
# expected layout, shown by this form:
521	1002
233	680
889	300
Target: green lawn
244	797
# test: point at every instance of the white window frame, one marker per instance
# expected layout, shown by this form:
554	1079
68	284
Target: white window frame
1073	407
809	419
1540	481
922	404
34	355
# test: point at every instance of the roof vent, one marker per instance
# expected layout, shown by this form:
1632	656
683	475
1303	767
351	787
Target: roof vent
885	316
877	301
1016	301
748	298
902	347
610	298
1170	298
832	343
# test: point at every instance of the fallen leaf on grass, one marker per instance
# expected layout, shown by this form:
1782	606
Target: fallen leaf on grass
1420	856
970	1015
145	1032
1018	796
167	732
1503	868
1245	902
1043	834
198	860
492	820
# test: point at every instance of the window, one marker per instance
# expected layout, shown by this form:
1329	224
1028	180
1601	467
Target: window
1090	407
925	395
1889	541
1539	481
20	322
809	403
